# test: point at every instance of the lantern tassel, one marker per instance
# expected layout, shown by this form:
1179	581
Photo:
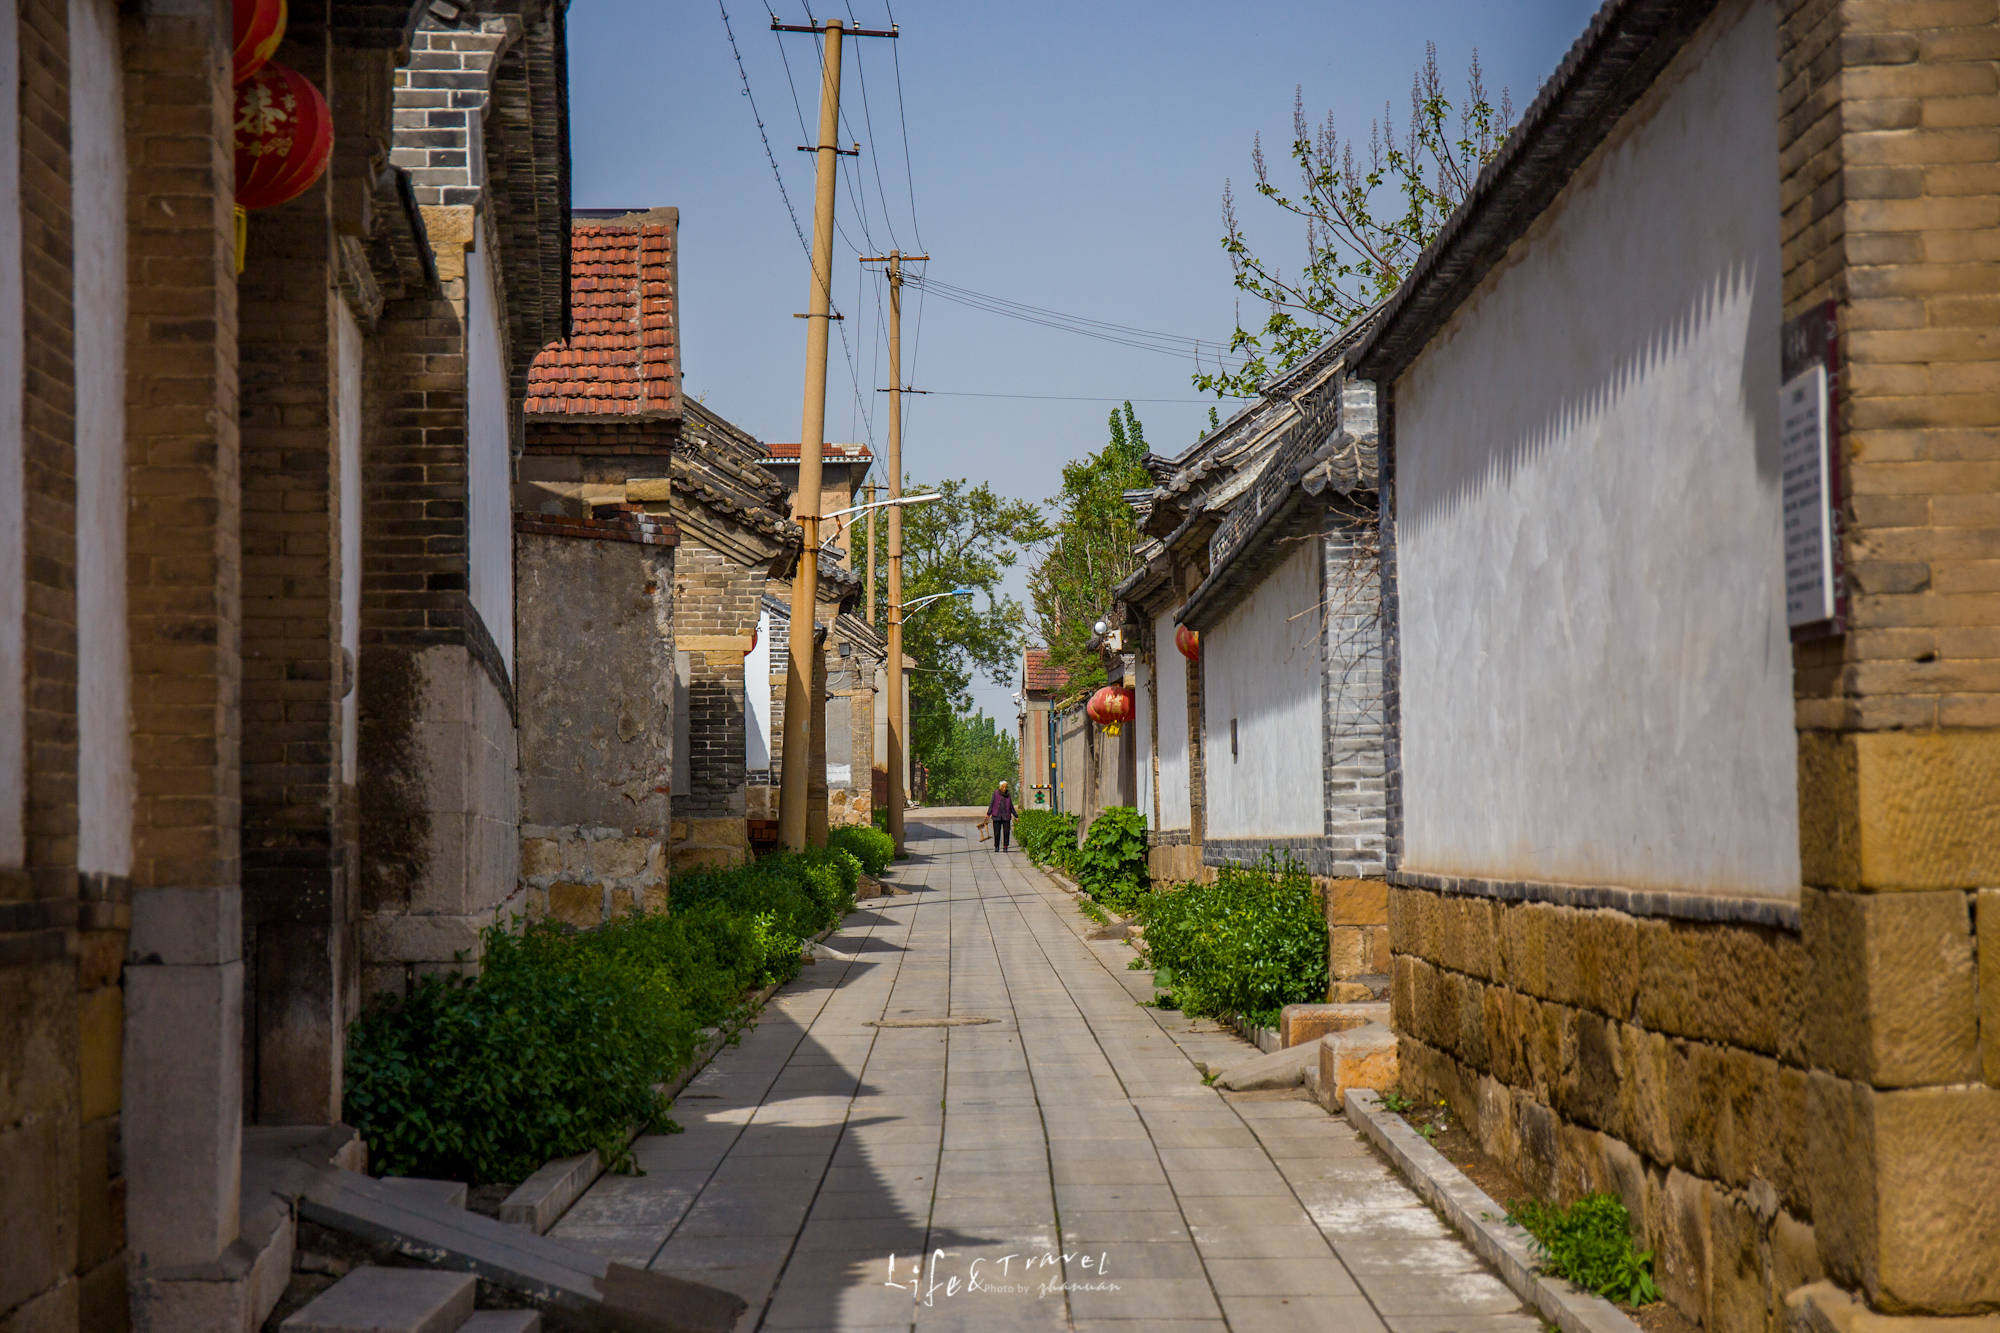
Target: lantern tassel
242	235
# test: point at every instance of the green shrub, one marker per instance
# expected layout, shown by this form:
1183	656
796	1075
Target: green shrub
872	847
1046	836
1111	864
557	1045
1247	945
1590	1243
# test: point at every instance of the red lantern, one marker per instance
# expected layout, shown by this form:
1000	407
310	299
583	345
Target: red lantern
1189	642
260	26
284	136
1110	708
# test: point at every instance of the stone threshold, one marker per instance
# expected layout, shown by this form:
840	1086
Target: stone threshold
540	1201
1481	1222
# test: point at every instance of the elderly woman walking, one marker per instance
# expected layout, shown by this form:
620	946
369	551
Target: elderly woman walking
1001	811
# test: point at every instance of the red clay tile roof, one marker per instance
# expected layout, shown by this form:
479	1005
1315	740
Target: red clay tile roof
829	452
623	353
1038	675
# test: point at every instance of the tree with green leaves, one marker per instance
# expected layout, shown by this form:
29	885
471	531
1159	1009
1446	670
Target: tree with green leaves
974	756
1090	551
1359	243
968	539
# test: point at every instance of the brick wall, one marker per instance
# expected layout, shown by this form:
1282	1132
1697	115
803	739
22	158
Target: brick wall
1890	125
716	600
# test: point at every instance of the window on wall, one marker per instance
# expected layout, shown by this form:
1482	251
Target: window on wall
1234	751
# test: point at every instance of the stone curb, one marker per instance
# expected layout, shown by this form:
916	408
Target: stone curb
539	1202
1481	1221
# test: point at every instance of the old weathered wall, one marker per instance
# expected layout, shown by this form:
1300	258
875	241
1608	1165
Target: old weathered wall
1593	640
596	680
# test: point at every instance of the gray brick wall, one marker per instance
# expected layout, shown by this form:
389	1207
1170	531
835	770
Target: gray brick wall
441	97
1351	730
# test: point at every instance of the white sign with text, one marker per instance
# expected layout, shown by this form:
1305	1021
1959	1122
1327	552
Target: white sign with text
1808	515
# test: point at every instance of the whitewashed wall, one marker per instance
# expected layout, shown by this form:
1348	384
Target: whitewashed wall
13	517
1142	738
347	405
1261	669
756	700
104	666
1172	667
490	456
1595	672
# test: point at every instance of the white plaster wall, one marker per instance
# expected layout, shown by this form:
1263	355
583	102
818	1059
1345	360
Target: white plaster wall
757	702
13	524
1142	740
1596	676
1262	669
489	456
348	424
104	665
1174	805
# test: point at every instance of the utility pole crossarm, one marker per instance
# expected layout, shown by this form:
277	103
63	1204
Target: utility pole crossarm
822	27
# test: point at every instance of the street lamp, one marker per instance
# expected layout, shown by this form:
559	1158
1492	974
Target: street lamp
837	514
910	606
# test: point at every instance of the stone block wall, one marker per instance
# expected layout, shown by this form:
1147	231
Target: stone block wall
1890	125
1661	1060
597	727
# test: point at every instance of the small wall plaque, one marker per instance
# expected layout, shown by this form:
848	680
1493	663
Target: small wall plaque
1810	486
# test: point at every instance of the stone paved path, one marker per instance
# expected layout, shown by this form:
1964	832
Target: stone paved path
1056	1143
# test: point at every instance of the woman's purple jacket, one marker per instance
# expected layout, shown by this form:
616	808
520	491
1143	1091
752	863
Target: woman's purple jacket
1001	807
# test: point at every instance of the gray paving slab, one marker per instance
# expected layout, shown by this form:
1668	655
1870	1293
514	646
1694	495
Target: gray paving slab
1059	1166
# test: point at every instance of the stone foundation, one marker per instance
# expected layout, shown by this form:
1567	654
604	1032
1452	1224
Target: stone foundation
1660	1060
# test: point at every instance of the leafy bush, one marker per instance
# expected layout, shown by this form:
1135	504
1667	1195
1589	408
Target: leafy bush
1247	945
557	1046
872	847
1046	836
1111	864
1590	1243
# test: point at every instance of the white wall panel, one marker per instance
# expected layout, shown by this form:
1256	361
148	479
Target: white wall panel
1595	670
13	521
1261	671
490	456
1174	806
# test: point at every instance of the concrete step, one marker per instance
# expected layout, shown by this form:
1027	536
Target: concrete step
503	1321
562	1281
389	1300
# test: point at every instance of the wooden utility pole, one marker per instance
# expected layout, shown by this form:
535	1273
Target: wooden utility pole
800	700
870	513
896	702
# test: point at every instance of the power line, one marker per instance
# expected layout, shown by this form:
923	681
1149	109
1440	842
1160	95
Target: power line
1123	335
1066	397
902	117
868	119
777	175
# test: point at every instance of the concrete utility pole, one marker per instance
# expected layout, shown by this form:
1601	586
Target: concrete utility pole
800	700
895	701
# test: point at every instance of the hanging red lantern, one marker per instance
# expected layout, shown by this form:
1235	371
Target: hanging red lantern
260	26
1189	642
1110	708
284	136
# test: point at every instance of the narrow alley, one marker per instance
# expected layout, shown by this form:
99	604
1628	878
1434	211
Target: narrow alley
965	1119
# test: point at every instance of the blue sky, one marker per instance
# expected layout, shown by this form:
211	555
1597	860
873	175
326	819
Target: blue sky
1066	156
